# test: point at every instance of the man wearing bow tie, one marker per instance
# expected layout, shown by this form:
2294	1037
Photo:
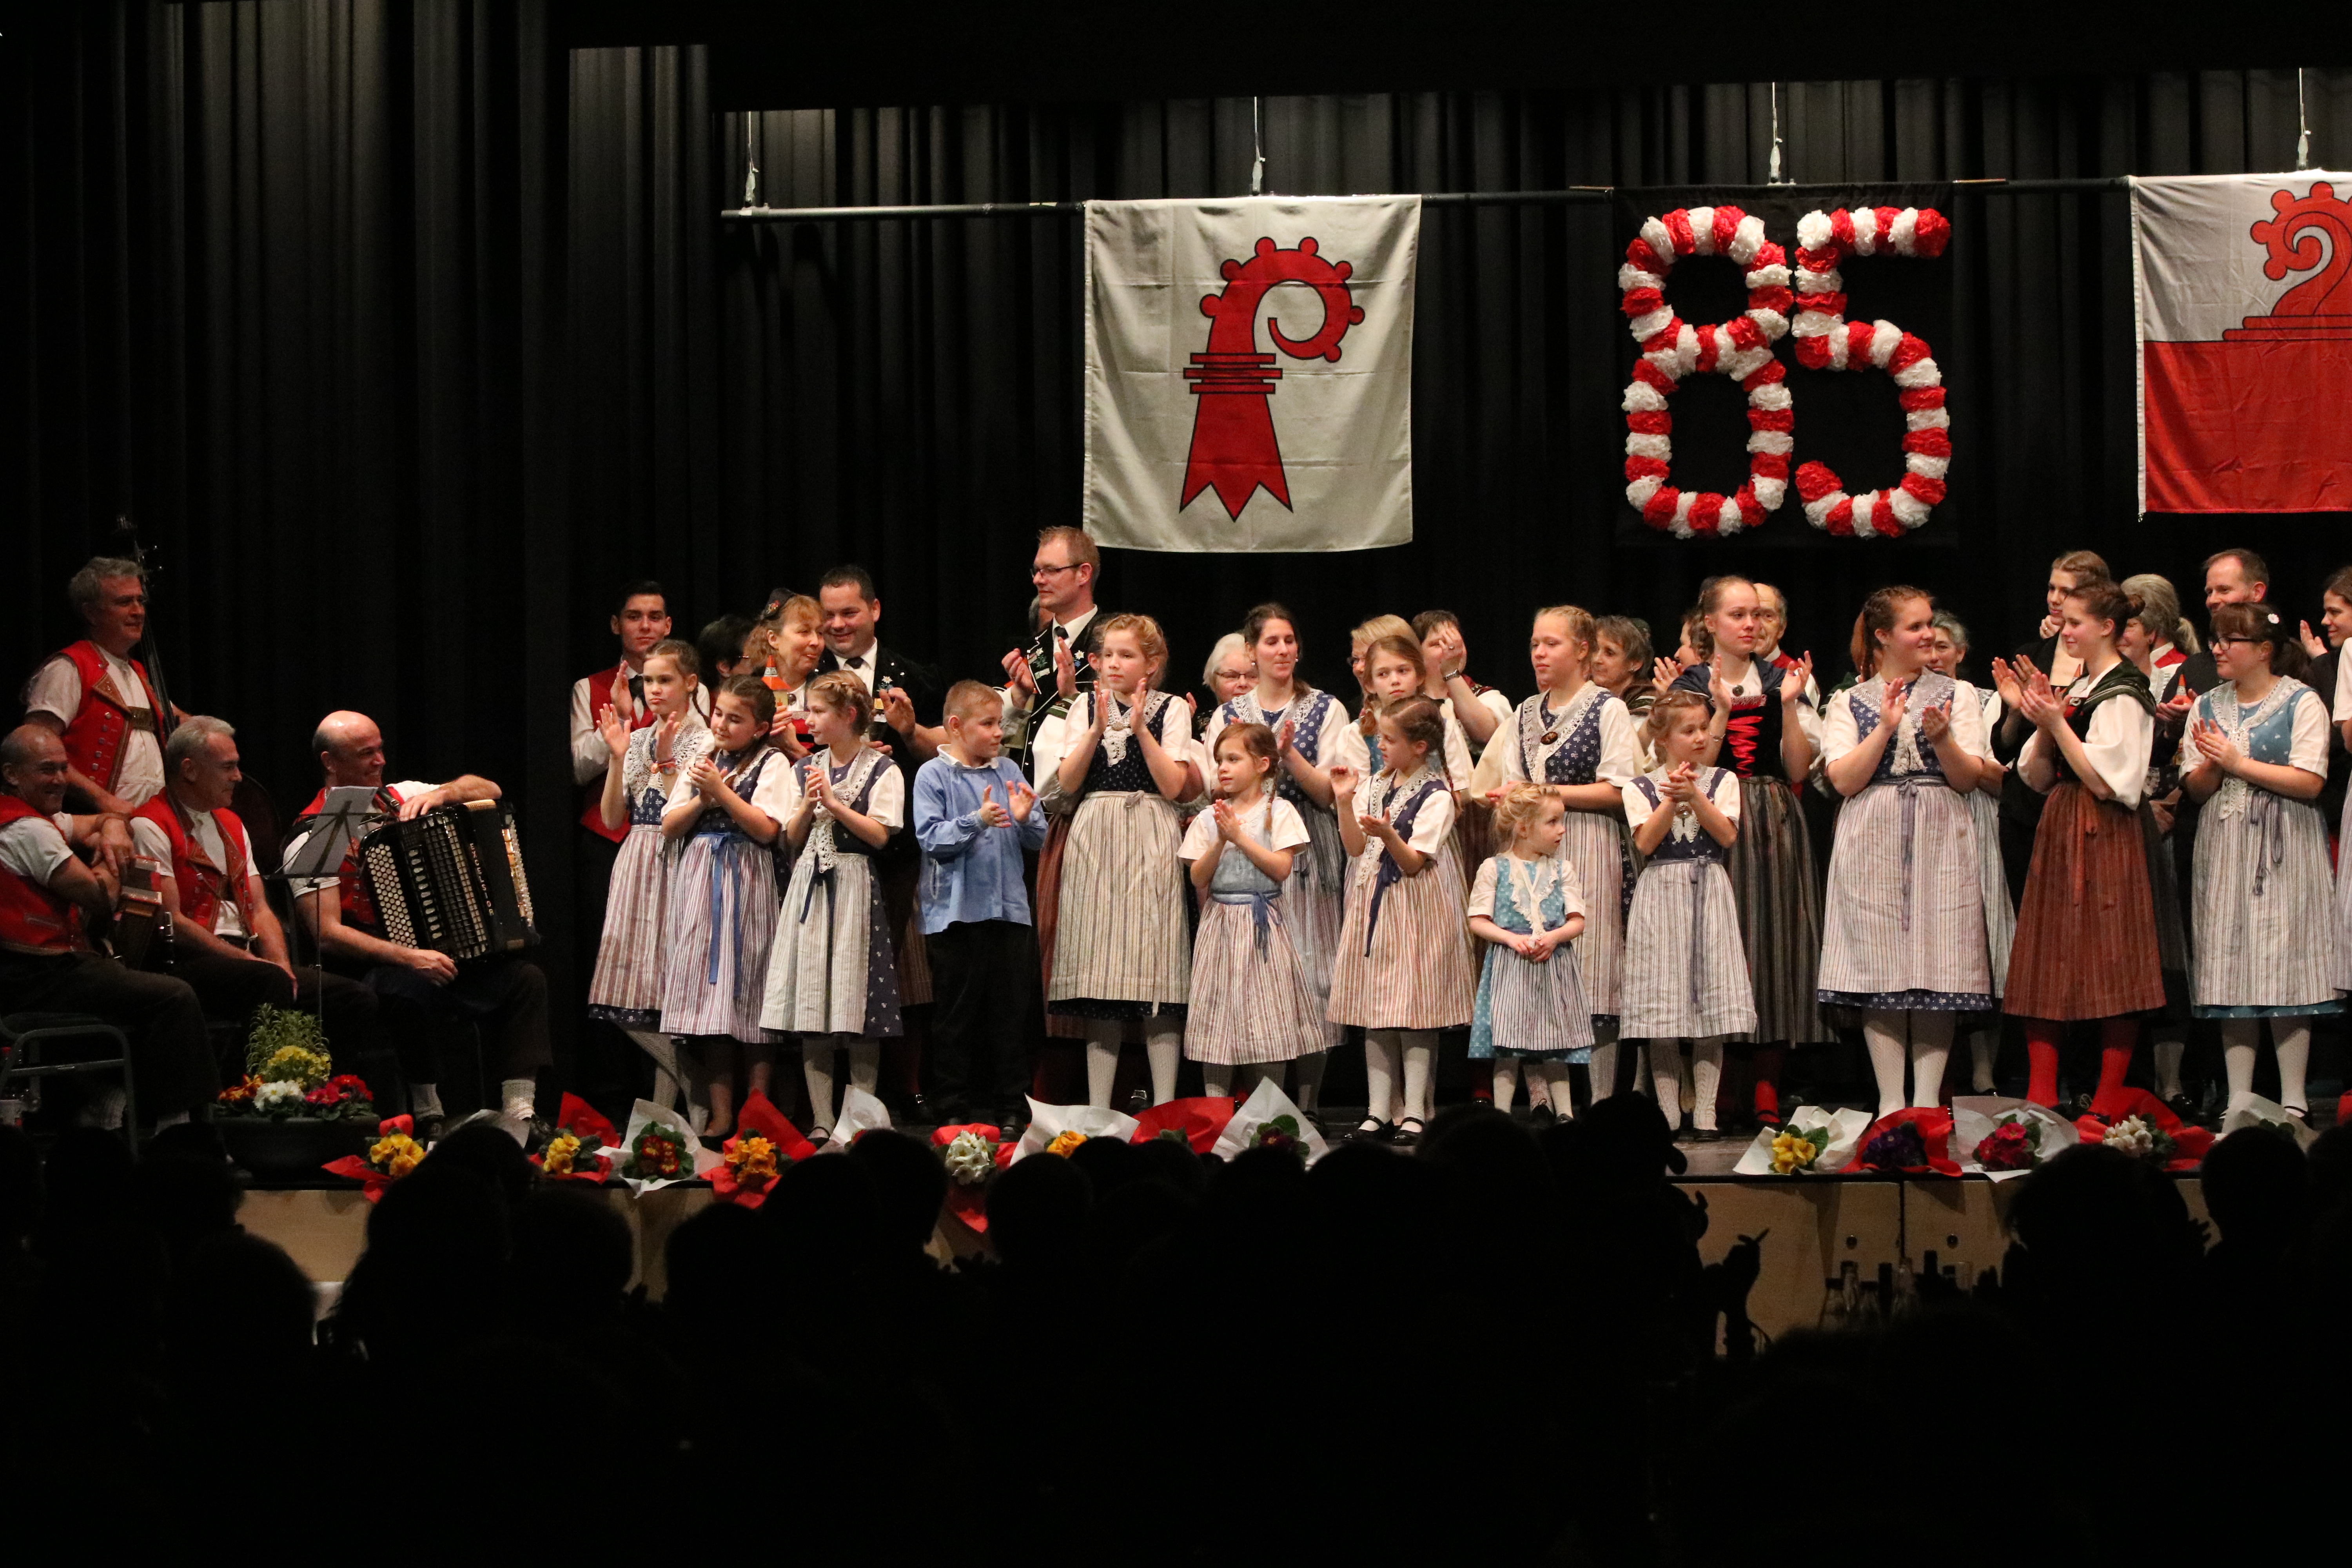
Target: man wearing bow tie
1058	662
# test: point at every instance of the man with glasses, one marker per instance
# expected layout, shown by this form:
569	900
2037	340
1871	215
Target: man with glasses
1041	678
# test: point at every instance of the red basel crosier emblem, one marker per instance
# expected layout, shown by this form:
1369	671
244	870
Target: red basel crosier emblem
1233	446
2319	306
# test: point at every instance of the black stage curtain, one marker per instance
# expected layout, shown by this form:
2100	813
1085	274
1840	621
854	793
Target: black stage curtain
407	334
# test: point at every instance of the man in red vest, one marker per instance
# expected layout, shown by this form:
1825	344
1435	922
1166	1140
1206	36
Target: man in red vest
423	995
602	1067
50	903
97	699
226	941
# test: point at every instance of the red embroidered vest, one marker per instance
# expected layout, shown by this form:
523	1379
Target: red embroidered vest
34	919
201	882
592	794
95	735
356	904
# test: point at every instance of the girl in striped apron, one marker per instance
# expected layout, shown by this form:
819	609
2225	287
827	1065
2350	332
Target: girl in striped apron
722	896
1685	971
2256	758
1312	733
1403	971
2086	944
648	766
1951	650
1904	933
832	979
1578	738
1525	902
1762	739
1251	1005
1395	667
1120	947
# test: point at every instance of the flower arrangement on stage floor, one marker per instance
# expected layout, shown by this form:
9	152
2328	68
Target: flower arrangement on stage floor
2013	1145
974	1151
395	1153
1796	1149
751	1162
582	1147
1066	1142
2140	1139
1912	1142
2005	1138
1812	1141
657	1149
2136	1123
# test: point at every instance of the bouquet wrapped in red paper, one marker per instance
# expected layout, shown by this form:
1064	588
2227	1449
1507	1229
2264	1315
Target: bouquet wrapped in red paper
2144	1127
974	1151
1196	1123
751	1162
1914	1141
584	1144
393	1155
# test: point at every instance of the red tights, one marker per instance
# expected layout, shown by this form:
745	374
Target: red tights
2117	1036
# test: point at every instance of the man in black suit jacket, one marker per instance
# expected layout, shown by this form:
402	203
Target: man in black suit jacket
902	689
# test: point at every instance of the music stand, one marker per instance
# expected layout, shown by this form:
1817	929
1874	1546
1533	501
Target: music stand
341	817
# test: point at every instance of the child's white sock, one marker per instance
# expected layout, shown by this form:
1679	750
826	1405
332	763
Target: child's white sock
2294	1042
1706	1073
1931	1048
519	1098
816	1071
2167	1055
1667	1079
1506	1083
1559	1090
1163	1046
1102	1059
1382	1054
1217	1081
865	1062
425	1100
1984	1042
2239	1038
1420	1058
1882	1033
1310	1079
1602	1071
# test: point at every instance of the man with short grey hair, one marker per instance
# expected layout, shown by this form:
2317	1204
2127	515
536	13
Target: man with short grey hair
226	940
97	699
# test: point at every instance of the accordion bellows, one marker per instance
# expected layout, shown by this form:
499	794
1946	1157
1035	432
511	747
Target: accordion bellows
451	880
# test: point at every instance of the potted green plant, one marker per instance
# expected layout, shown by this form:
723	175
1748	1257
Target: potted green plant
292	1112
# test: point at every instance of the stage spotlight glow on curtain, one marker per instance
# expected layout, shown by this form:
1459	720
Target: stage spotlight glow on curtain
1249	373
2245	341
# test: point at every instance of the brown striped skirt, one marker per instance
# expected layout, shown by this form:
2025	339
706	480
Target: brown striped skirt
2086	941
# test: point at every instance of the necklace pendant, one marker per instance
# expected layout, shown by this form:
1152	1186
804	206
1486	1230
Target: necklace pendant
1739	691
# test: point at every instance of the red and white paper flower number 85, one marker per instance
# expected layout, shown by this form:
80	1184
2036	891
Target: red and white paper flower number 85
1741	348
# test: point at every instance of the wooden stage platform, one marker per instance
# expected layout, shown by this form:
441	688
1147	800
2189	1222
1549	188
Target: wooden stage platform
1814	1226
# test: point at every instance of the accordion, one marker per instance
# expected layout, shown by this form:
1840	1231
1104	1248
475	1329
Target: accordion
452	880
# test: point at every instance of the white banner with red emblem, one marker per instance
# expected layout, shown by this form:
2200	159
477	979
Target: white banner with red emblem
1249	373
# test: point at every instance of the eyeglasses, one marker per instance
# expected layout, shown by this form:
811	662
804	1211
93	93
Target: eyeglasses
2246	642
1037	571
1232	675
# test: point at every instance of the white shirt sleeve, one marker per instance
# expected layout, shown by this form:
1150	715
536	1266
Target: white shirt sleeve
1341	742
1836	732
1289	827
887	803
1726	796
1637	804
2308	748
2344	684
1433	823
1507	737
1968	724
1482	888
589	755
1200	838
1047	747
2122	733
1457	753
774	793
1571	886
1621	753
150	841
1497	704
1176	728
56	690
33	850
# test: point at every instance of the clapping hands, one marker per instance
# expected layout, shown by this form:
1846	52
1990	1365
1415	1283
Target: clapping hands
2215	746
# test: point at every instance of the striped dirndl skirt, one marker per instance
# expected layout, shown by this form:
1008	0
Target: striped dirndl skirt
2261	881
2087	942
627	986
1120	946
1415	971
831	970
1595	844
1529	1009
1778	900
1314	902
1905	929
1250	1002
1681	979
722	914
1992	888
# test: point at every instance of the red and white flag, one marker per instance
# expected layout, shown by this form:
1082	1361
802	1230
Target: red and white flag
2245	341
1249	373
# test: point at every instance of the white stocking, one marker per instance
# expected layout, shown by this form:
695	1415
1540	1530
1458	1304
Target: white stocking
2168	1055
1667	1079
1163	1043
1506	1083
1217	1081
1420	1058
1604	1070
1882	1033
816	1069
865	1062
1931	1048
1982	1045
1707	1075
2294	1041
2239	1036
1557	1092
1102	1059
1384	1055
668	1075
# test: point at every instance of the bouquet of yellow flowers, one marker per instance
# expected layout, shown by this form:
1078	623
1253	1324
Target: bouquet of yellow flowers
1066	1142
1796	1149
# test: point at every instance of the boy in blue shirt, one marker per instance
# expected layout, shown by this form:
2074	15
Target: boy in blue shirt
974	813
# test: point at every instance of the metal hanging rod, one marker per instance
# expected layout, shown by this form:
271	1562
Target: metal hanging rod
1571	194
